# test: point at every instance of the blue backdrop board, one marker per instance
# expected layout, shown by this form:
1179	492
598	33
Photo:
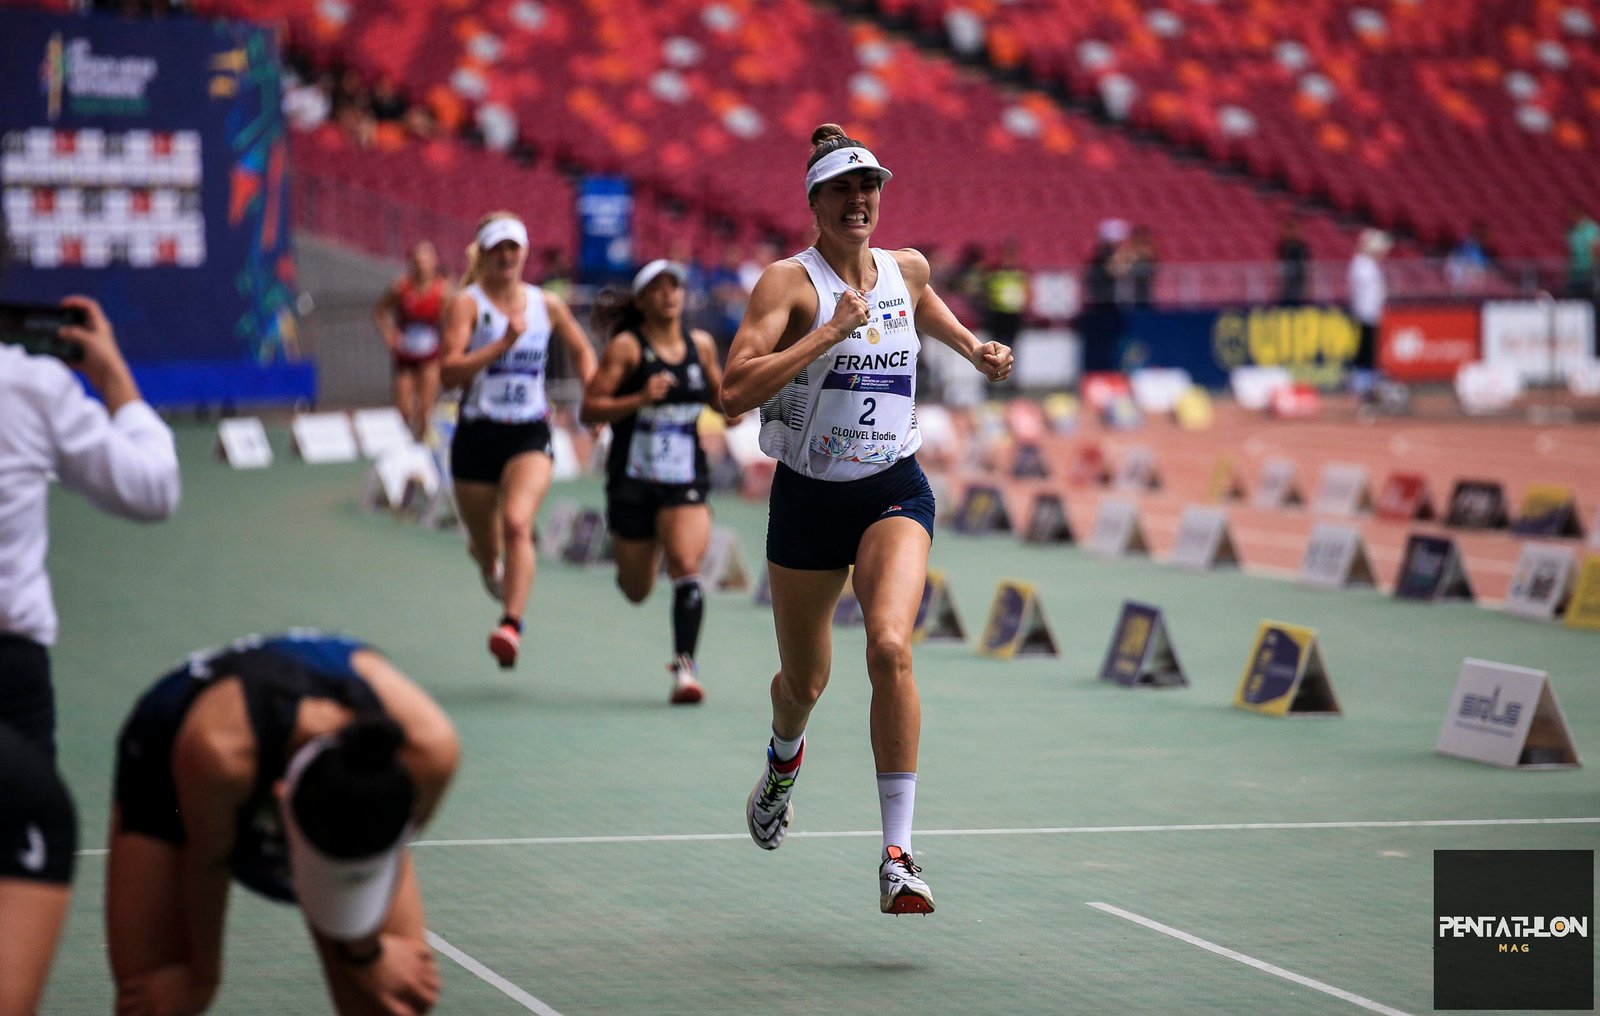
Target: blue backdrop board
605	229
145	164
1315	344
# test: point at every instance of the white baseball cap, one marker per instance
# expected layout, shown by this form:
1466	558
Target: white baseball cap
498	231
659	266
345	898
841	161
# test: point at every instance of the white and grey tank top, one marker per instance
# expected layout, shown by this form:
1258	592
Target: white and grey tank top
851	412
511	389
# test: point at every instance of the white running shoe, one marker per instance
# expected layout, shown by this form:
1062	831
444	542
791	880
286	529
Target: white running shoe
769	810
901	889
686	690
494	583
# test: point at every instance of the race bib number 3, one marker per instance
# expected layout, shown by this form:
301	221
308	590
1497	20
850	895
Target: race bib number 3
663	445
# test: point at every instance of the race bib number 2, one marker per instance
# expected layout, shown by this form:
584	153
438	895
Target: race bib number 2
860	416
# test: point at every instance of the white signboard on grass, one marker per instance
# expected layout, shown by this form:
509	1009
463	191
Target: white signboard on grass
242	443
324	437
1506	716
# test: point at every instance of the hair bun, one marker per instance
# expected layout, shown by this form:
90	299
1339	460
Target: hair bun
368	745
826	132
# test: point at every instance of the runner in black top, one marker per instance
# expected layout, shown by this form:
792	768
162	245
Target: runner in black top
653	382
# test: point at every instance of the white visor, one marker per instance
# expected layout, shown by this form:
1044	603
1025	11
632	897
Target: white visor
659	266
498	231
344	898
841	161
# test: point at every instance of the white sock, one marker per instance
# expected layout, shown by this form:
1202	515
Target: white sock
897	799
784	749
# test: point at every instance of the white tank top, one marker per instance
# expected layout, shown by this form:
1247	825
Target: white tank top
510	389
851	412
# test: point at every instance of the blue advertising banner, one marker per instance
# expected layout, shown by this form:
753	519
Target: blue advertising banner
146	164
1316	344
605	228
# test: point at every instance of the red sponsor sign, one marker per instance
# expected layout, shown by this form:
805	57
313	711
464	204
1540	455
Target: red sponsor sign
1428	343
1404	497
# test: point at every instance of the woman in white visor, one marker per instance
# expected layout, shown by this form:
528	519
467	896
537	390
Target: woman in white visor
300	765
655	378
496	347
828	351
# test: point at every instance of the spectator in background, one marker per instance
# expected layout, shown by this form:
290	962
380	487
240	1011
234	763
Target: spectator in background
964	294
697	309
388	105
1583	256
352	109
555	275
1005	296
1367	296
1140	257
1100	320
307	103
1468	263
1294	264
728	294
750	270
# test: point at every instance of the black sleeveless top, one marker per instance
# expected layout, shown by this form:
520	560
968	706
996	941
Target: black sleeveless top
275	674
660	444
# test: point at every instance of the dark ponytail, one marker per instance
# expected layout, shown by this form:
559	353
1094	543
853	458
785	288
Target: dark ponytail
614	313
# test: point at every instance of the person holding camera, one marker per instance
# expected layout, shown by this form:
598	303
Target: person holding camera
121	456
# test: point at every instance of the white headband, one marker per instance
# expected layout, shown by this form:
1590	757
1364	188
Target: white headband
498	231
344	898
841	161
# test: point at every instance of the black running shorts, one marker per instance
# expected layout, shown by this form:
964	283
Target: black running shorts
481	448
38	826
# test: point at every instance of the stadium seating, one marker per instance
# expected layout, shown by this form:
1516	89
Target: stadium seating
1425	117
709	107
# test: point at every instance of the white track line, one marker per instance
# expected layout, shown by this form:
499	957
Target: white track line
483	973
555	841
1250	961
1210	827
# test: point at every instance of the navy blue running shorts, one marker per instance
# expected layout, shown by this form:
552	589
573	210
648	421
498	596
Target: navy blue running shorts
817	525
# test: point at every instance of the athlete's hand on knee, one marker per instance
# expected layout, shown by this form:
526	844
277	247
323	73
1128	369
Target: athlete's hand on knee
658	385
850	313
165	991
404	980
993	360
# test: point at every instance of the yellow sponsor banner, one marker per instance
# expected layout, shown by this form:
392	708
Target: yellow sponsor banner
1584	610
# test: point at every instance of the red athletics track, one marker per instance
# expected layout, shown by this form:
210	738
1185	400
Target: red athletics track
1436	442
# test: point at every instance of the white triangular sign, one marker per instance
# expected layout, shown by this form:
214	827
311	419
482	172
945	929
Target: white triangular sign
1203	540
1506	716
1116	529
1542	582
242	443
1335	557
